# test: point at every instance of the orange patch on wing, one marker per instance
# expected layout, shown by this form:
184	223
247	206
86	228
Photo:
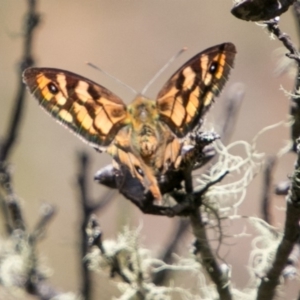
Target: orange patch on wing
42	84
102	123
193	103
221	59
178	112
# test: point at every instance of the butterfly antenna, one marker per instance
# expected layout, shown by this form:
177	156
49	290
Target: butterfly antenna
113	77
163	69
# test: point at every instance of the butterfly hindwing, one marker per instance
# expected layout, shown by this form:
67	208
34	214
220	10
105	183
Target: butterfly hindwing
191	89
88	109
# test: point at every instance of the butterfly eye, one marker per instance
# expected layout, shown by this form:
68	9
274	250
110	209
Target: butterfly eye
213	67
139	170
52	88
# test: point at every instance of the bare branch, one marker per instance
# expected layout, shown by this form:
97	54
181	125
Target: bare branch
233	101
94	235
267	189
47	214
88	206
31	22
267	288
182	225
207	258
15	219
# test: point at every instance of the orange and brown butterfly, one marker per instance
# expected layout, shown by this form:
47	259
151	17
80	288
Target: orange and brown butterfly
146	136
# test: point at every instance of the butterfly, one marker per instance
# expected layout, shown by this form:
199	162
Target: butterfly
146	136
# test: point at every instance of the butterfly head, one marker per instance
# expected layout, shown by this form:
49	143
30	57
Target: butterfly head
142	110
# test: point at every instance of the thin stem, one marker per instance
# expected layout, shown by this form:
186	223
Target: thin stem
32	20
207	257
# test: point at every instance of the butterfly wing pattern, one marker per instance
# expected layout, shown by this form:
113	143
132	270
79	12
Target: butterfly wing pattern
147	136
190	91
88	109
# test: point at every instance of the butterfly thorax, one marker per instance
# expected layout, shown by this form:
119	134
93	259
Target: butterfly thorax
146	130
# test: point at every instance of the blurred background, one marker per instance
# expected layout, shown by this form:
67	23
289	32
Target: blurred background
132	39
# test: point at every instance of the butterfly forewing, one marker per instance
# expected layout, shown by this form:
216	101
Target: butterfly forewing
191	89
88	109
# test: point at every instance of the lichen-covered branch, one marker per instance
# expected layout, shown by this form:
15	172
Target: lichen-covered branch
269	283
273	27
207	257
88	206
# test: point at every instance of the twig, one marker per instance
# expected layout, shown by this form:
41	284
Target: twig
87	207
94	235
47	214
267	189
5	214
14	218
86	288
273	27
233	101
296	11
186	203
267	288
32	20
182	225
207	257
34	283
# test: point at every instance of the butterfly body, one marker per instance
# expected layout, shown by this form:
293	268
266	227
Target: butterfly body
146	129
147	136
143	143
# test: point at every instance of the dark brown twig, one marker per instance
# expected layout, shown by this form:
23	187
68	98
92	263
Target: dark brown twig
14	218
267	189
269	283
296	11
186	203
47	214
34	283
182	225
207	258
32	20
7	142
273	27
88	206
233	102
94	235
